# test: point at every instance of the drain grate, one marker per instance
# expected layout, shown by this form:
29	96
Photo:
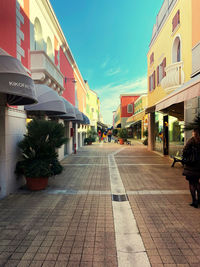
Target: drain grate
119	198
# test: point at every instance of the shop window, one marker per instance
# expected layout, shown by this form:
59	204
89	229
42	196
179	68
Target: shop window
130	108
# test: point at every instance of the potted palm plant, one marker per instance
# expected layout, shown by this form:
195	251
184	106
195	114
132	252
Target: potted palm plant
40	159
91	137
122	134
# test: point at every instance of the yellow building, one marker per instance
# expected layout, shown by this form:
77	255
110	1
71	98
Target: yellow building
92	107
117	118
169	71
138	121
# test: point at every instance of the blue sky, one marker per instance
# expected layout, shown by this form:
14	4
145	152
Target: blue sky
109	40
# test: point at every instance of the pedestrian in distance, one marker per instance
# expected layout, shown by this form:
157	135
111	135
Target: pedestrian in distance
104	137
99	136
191	160
109	135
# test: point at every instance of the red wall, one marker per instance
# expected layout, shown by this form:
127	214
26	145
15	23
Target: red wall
8	26
67	71
125	100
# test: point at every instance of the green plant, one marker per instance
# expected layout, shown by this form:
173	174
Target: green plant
91	135
115	132
195	125
122	133
38	147
145	133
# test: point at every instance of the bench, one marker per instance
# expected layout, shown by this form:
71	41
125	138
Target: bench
177	158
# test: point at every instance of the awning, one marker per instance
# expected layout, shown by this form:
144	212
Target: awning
15	82
150	109
130	124
78	116
69	110
86	120
136	117
101	125
187	91
49	102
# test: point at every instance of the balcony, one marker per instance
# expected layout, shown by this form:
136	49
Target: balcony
174	77
44	71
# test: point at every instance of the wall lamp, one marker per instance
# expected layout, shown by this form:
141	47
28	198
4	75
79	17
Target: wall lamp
70	79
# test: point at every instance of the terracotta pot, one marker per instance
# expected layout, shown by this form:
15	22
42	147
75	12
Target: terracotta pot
36	184
89	143
121	141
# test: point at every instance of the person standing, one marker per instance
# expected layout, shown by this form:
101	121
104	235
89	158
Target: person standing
192	166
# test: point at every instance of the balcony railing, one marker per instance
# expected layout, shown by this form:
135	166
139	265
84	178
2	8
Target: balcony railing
45	71
174	77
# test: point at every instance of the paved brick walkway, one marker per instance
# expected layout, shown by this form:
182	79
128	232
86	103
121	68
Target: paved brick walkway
71	223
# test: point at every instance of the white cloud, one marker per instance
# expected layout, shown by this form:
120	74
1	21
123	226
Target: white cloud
105	63
109	95
113	71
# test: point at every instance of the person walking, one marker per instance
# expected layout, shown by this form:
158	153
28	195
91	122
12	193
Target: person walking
104	137
109	135
99	136
191	161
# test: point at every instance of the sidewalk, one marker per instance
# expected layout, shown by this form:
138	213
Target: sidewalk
72	223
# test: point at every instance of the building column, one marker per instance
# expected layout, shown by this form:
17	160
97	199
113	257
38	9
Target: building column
70	138
151	131
2	146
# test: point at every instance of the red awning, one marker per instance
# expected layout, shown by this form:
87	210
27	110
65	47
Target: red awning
189	90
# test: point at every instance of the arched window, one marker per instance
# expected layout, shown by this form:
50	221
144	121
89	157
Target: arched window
130	108
49	48
176	50
38	40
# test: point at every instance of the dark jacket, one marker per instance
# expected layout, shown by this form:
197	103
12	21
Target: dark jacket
192	170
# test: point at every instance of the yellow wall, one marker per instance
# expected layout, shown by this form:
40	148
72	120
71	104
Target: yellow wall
92	107
162	46
117	116
140	104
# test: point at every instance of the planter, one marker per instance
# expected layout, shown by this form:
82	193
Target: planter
36	184
121	141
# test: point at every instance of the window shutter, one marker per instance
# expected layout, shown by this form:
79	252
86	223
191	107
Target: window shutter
176	20
178	17
164	65
154	79
157	75
149	83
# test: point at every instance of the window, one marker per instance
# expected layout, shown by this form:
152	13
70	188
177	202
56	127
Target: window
176	50
49	48
38	39
179	52
151	58
152	83
130	108
161	71
176	20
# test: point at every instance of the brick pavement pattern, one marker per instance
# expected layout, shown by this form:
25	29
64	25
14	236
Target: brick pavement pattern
71	222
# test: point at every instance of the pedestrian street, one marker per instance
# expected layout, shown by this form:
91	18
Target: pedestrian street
113	205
